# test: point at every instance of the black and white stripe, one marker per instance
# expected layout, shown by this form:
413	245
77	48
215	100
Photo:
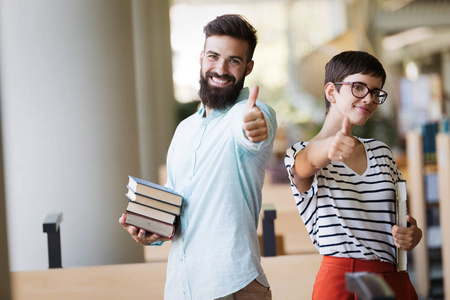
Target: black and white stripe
347	214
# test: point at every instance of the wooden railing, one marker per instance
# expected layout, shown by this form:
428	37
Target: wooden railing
290	277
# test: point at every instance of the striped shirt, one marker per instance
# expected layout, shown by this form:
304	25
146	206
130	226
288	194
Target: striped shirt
347	214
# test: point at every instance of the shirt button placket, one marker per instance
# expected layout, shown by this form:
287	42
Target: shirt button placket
194	154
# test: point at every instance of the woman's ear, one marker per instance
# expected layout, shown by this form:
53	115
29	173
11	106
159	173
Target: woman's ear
330	91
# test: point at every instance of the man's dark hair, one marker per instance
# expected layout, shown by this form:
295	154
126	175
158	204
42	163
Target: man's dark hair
352	62
235	26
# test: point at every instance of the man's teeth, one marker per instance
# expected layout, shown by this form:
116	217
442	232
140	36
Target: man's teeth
219	80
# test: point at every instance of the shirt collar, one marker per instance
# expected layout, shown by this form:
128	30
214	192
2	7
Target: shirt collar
243	95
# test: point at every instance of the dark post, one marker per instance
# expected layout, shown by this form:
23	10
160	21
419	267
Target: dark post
268	235
51	226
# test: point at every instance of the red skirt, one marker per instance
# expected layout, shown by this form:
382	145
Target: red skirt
330	280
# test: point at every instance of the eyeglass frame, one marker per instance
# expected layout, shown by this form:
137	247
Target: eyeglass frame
368	90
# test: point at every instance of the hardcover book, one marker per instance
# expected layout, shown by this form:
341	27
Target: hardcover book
155	191
150	225
150	212
155	203
401	194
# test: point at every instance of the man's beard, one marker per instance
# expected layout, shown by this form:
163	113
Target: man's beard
219	98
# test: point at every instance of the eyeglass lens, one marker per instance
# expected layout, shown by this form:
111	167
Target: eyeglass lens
360	90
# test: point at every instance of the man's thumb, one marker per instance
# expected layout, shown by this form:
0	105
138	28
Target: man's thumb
252	97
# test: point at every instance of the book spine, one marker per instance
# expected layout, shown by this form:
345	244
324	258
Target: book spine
165	212
153	220
135	197
159	200
131	191
152	185
401	194
145	214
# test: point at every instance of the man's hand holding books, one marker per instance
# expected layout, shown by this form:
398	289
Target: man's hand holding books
140	235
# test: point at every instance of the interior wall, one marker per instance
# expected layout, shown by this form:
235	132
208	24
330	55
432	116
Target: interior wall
5	292
70	128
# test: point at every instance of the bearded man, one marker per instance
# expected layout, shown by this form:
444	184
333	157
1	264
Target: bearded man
217	161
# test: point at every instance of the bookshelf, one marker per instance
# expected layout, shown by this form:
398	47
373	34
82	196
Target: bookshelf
418	169
443	162
417	208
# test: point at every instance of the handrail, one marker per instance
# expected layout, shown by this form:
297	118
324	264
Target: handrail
51	226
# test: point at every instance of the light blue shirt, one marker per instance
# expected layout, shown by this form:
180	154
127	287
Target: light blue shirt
219	173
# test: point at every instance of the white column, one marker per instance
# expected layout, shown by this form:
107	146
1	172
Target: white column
5	291
154	83
70	126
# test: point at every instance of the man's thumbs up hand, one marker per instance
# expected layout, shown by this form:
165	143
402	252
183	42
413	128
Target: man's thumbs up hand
252	98
255	126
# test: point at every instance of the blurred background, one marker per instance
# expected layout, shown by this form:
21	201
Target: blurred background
92	90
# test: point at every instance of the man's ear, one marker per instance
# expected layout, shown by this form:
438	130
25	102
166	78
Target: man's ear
330	91
201	56
250	65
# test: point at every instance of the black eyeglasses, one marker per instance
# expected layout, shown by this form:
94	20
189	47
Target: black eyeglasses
360	90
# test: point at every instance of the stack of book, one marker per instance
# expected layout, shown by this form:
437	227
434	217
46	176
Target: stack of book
152	207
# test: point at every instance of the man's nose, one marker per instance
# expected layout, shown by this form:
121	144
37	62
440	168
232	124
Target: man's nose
221	67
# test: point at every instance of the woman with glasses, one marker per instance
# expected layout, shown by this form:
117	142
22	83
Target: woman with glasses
344	186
